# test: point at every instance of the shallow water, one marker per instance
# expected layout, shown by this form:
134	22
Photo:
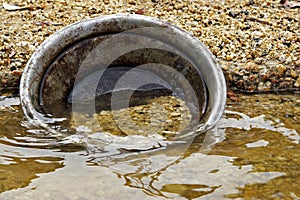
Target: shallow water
253	153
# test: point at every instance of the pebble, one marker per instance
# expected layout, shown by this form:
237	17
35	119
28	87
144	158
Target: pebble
153	119
19	64
178	6
175	114
293	74
281	69
297	83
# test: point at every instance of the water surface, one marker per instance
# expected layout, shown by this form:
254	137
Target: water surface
253	153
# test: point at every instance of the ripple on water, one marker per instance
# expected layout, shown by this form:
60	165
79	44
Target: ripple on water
252	153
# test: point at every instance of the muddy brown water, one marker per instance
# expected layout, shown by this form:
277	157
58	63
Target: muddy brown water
253	153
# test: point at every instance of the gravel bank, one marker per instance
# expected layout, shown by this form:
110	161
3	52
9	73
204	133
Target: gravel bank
256	42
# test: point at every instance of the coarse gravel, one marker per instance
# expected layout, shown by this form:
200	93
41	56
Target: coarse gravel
256	42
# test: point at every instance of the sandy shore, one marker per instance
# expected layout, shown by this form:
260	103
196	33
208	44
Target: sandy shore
256	42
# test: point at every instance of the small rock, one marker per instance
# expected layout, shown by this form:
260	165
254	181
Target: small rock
297	83
293	74
261	86
289	79
281	69
283	85
229	57
245	78
252	67
297	63
19	64
178	6
175	114
225	67
104	112
131	2
169	8
23	44
232	14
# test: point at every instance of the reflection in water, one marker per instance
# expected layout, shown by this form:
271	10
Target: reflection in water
280	150
189	191
256	156
280	155
17	172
